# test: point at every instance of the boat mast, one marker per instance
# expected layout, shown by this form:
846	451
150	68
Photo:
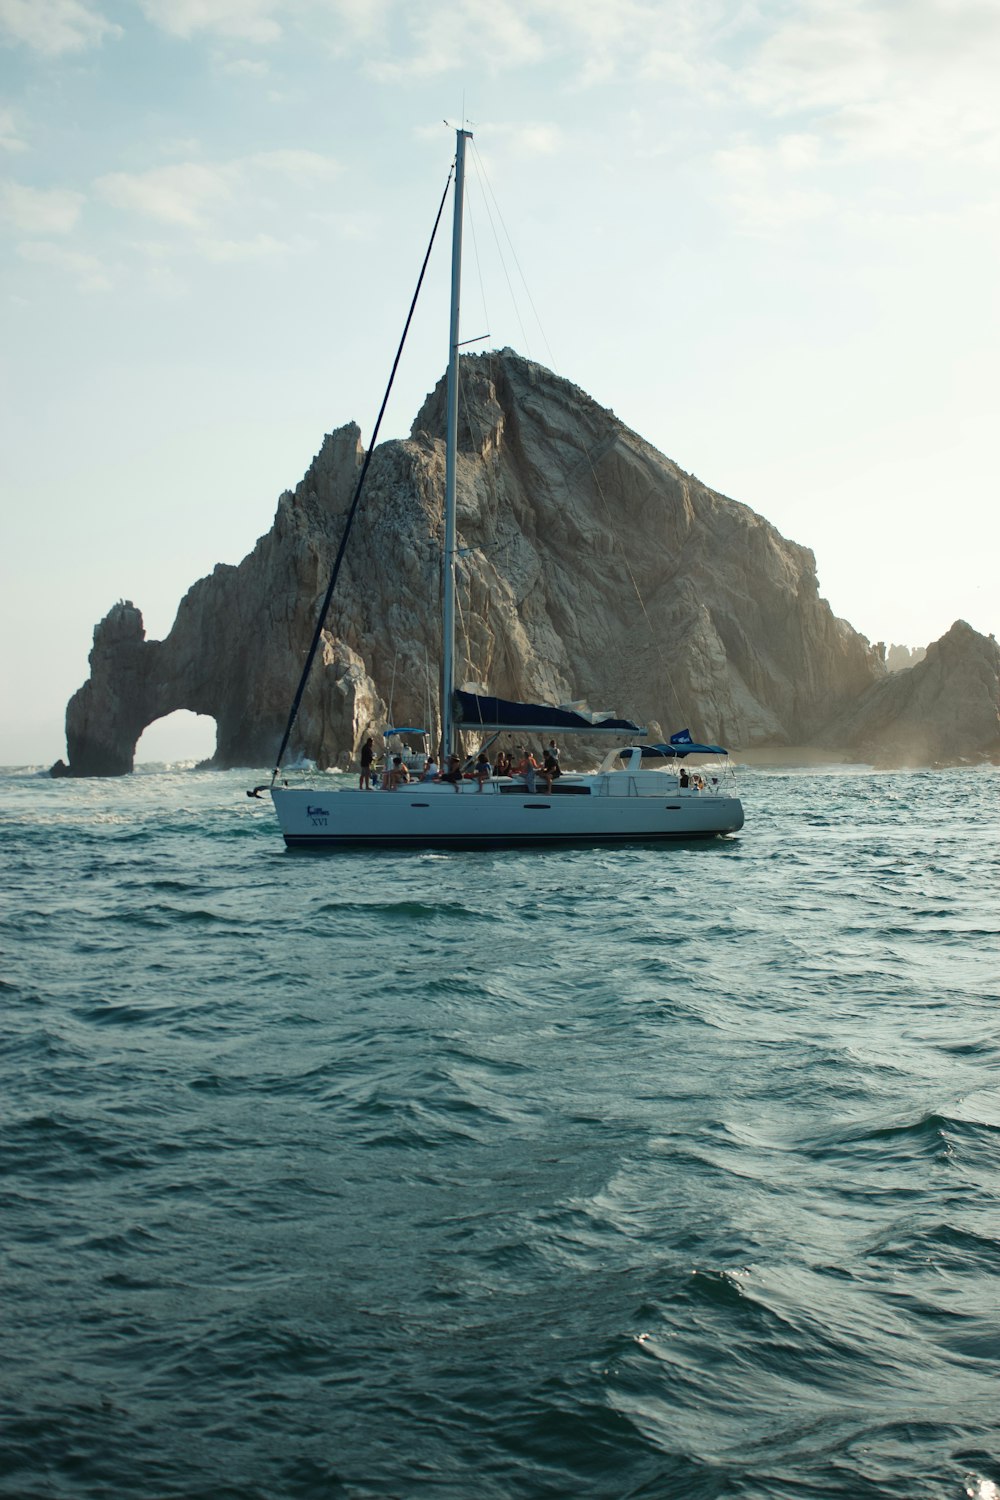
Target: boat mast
448	555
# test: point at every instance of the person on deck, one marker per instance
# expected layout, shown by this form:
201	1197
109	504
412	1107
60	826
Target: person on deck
527	767
502	767
481	771
550	768
367	757
454	771
397	774
430	771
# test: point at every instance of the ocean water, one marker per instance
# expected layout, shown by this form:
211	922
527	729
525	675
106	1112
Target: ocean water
643	1173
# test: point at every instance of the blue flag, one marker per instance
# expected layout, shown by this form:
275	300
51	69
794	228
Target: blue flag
682	737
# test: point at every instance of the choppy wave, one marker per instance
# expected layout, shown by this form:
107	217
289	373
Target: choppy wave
618	1173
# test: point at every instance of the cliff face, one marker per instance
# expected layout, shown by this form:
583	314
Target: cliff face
589	566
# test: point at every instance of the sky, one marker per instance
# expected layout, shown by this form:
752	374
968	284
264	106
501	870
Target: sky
765	234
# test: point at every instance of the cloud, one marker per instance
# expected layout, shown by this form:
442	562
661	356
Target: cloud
217	212
54	27
303	168
770	189
92	274
361	20
40	210
202	195
605	41
165	265
532	139
242	20
186	194
245	67
915	81
444	38
878	80
352	224
813	108
260	247
10	140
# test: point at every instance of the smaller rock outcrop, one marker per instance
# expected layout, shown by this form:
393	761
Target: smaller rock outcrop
943	711
898	658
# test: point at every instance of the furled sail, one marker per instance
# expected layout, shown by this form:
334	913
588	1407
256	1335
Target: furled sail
477	711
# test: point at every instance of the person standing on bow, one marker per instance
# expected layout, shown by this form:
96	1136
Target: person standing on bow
367	757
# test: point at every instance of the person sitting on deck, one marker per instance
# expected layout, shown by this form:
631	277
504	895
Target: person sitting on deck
454	771
396	774
684	778
481	771
550	768
527	766
502	767
430	771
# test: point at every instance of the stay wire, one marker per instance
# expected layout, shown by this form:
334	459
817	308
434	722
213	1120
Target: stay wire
321	622
488	196
489	355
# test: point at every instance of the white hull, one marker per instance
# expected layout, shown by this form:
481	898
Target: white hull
604	808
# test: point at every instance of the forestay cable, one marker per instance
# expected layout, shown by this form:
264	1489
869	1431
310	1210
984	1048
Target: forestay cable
321	622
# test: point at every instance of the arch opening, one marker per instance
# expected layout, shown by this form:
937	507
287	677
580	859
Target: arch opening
179	736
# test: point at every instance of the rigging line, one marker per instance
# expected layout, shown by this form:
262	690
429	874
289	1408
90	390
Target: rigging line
478	430
654	639
321	621
471	221
465	405
487	195
490	356
480	165
427	693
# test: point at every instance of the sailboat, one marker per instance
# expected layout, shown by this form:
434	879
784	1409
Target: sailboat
639	793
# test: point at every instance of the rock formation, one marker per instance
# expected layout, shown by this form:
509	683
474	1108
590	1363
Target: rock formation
589	566
898	658
944	710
